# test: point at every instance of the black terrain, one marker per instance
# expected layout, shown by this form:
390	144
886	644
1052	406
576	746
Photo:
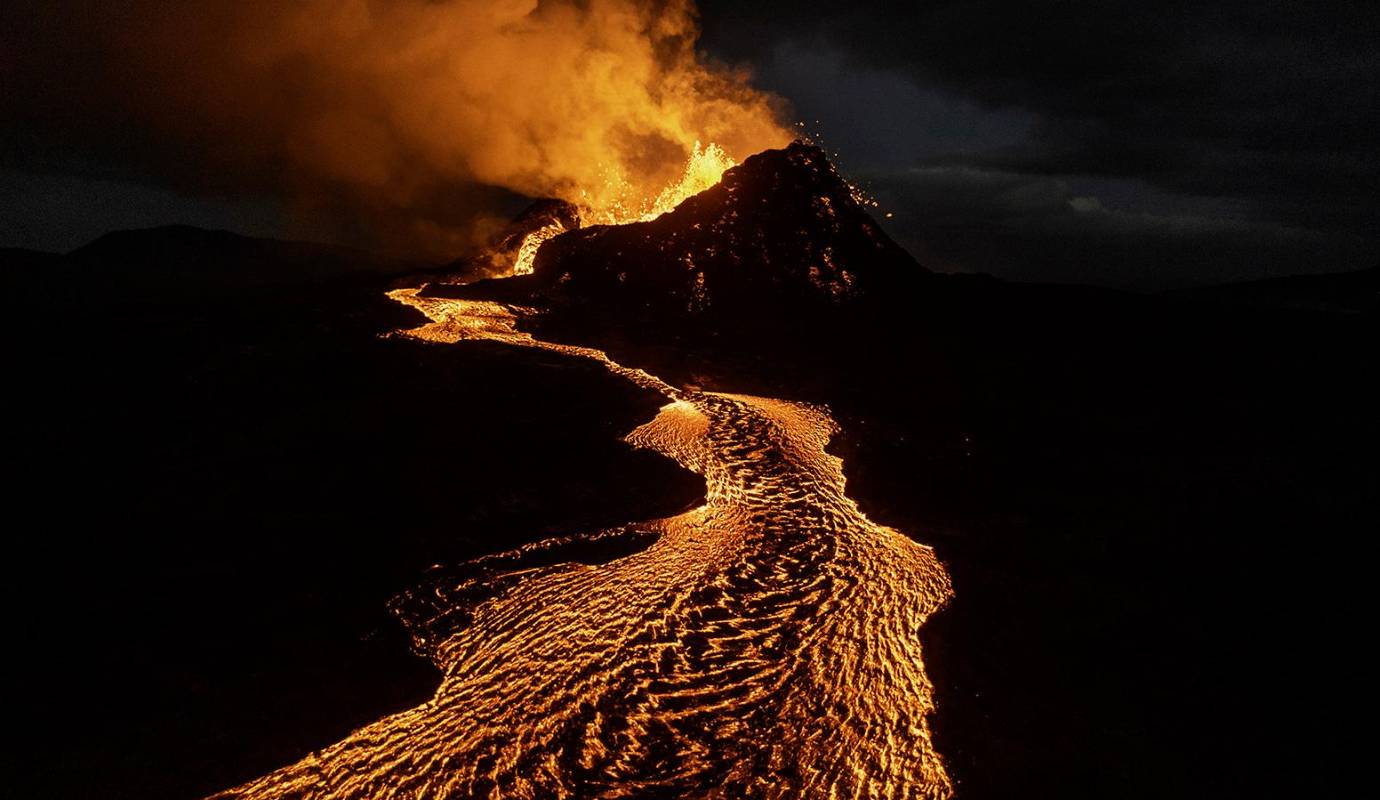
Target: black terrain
1153	508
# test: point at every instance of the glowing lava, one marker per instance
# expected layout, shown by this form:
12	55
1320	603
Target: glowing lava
766	644
527	251
704	168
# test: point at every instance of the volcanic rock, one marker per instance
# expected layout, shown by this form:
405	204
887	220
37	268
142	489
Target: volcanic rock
781	231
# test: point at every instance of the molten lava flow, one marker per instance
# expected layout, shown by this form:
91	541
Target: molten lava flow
527	251
704	168
766	644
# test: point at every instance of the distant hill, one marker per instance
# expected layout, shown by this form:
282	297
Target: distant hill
178	263
1356	292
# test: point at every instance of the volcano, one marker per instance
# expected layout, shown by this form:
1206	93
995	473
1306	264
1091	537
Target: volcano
781	234
782	230
753	645
673	515
1028	431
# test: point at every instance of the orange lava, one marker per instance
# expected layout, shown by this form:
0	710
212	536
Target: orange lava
766	644
704	168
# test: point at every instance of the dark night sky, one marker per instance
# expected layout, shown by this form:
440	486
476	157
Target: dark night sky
1143	144
1146	145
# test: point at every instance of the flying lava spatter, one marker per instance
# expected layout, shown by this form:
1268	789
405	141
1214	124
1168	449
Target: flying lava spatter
765	644
704	167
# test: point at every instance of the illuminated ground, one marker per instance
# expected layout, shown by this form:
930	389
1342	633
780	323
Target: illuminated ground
766	644
1151	511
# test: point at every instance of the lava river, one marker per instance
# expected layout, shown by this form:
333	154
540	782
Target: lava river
765	644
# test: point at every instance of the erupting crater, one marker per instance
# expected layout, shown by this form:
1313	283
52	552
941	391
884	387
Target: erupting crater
765	644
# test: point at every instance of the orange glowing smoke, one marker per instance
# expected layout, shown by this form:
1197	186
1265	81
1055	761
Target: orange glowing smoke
598	102
411	119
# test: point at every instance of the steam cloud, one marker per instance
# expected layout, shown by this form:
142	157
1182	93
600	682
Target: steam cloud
409	117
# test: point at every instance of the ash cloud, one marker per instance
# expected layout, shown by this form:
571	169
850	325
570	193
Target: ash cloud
411	124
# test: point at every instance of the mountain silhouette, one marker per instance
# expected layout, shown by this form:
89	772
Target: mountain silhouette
782	229
1354	292
182	263
1121	485
781	233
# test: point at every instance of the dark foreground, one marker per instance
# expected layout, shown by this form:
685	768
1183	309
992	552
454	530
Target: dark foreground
1152	511
211	503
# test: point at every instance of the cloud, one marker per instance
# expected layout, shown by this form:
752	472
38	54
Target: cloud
1273	100
879	117
1048	228
1230	140
415	118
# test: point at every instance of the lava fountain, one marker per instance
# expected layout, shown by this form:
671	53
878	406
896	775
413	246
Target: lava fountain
705	166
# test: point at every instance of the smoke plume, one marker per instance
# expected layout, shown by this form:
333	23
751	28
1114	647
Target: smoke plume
407	119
